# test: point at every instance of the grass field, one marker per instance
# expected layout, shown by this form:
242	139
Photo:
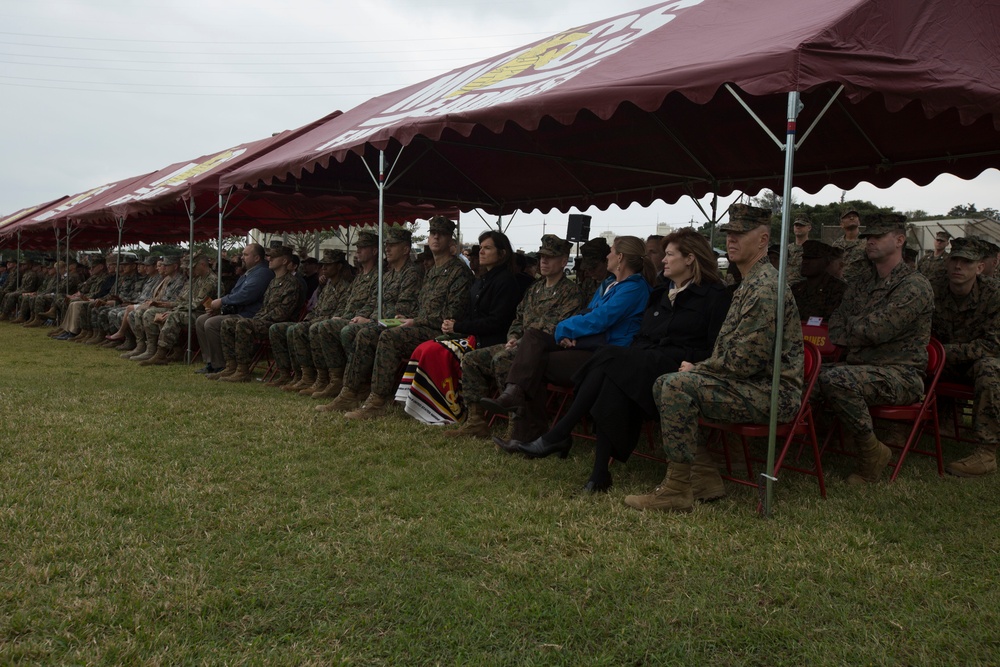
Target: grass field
150	516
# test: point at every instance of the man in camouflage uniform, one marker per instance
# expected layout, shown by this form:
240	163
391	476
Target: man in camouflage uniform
326	348
289	338
126	288
855	260
546	303
77	317
800	228
734	384
378	352
592	267
401	282
935	264
165	327
991	259
884	326
819	293
66	282
89	288
282	301
165	297
967	322
148	277
31	280
25	304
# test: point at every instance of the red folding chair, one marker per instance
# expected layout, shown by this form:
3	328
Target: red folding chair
922	414
962	396
801	429
819	335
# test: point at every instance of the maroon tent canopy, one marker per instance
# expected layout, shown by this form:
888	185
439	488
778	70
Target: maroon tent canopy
6	230
644	106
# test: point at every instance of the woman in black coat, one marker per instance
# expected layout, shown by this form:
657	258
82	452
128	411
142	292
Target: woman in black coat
680	323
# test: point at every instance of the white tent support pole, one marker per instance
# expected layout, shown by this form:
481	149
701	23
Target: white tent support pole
381	221
753	115
822	113
190	304
17	282
120	222
794	107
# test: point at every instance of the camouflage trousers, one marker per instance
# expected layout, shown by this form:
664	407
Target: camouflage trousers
9	304
848	390
150	327
684	397
239	337
112	318
326	347
378	353
135	322
99	318
279	334
483	369
985	377
41	303
175	324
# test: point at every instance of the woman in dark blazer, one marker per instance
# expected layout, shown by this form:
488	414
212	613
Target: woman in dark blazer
680	323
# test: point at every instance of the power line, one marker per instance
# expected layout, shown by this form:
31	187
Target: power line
360	41
226	53
183	85
193	71
174	62
162	93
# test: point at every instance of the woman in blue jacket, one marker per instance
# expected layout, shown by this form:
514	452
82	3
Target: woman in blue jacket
612	318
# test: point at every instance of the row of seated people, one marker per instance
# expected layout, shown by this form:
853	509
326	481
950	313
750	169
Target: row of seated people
643	346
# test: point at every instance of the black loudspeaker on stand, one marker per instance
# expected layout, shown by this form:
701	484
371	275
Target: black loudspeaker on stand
578	228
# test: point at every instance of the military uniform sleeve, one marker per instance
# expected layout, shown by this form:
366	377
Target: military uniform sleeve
911	301
409	291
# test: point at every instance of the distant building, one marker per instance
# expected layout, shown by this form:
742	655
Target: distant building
922	231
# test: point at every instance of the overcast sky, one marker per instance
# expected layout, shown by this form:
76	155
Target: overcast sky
99	90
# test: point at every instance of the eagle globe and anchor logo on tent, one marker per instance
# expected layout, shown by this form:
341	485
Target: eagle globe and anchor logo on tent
532	71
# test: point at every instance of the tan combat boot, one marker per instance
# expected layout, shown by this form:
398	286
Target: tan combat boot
706	482
242	374
873	457
158	359
95	338
82	336
322	379
34	322
139	350
150	352
346	400
281	379
474	426
176	354
674	493
307	380
129	344
333	387
225	372
374	406
982	461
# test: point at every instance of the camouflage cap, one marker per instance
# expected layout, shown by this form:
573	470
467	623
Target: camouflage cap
331	256
813	249
744	218
275	243
97	260
150	261
280	251
802	219
942	235
969	248
596	248
553	246
169	260
367	239
909	253
877	224
442	225
849	212
398	235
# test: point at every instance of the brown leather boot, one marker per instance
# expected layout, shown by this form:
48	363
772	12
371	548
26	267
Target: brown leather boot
672	495
511	399
283	377
873	457
706	482
374	406
346	401
225	372
474	426
158	359
322	379
333	387
307	380
242	374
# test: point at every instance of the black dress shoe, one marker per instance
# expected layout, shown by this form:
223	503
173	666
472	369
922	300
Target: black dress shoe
509	446
511	399
539	449
601	486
